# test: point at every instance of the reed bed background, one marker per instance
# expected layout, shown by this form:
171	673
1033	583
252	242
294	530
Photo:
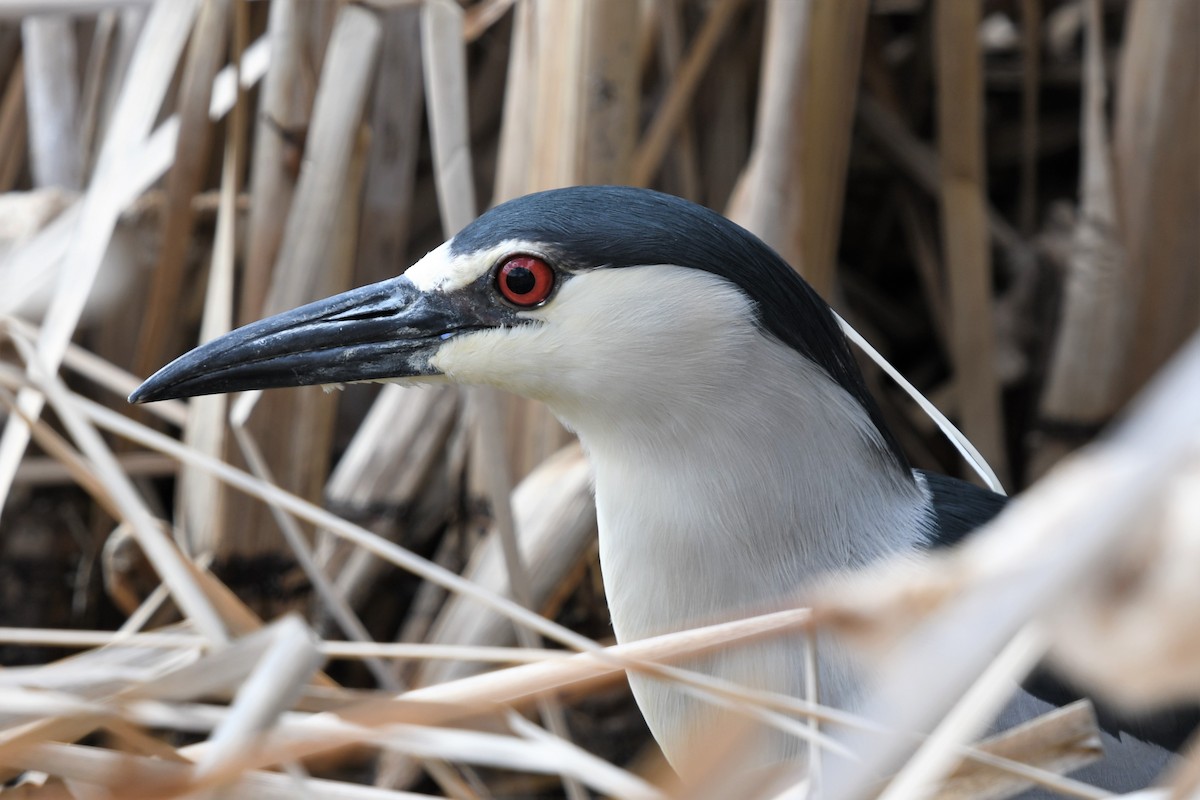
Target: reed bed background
306	594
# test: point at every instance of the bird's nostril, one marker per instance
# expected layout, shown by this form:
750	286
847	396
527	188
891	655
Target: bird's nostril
357	313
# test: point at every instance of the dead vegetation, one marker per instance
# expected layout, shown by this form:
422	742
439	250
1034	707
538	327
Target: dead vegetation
368	593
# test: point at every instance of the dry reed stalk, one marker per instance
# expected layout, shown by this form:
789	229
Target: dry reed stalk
279	132
395	148
37	228
157	53
131	22
650	20
239	620
281	671
1084	384
392	455
921	163
684	160
31	292
52	100
122	278
525	752
167	561
10	45
586	93
307	268
13	129
429	598
167	639
560	33
308	735
319	517
443	53
968	717
1157	152
95	80
331	144
159	332
304	735
712	773
317	24
726	102
766	188
396	460
200	500
833	54
489	450
105	374
515	147
1153	663
554	512
17	9
964	228
44	471
121	676
483	15
65	457
24	214
156	778
1058	742
523	684
608	83
1031	755
647	159
330	598
523	99
791	192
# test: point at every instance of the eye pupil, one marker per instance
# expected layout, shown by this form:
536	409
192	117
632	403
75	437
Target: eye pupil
520	280
525	281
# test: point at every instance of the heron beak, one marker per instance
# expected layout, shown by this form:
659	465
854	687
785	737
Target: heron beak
389	329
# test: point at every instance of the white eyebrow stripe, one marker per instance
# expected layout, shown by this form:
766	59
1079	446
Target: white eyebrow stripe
441	270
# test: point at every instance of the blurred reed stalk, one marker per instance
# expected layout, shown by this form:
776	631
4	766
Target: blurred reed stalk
1003	198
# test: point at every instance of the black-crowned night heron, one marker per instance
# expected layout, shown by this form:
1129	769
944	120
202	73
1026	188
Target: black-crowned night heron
737	452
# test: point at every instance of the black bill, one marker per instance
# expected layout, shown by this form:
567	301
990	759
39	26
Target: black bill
389	329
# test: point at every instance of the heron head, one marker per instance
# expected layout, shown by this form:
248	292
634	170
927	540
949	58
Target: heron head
608	299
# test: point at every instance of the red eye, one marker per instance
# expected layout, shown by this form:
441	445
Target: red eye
525	280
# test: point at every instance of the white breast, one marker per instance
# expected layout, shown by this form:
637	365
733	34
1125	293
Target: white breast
731	508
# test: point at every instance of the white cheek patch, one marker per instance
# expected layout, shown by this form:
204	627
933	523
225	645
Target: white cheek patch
475	356
441	271
621	333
